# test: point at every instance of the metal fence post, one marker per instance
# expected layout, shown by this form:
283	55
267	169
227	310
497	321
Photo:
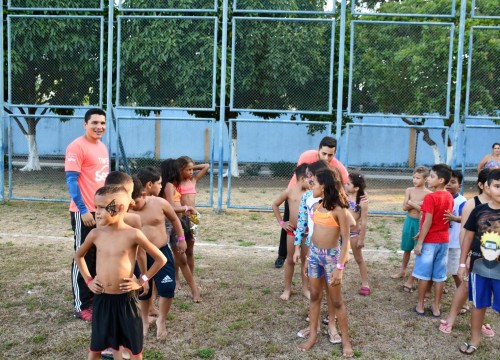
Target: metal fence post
340	82
2	123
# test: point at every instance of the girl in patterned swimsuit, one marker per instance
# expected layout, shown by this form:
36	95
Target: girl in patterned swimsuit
355	189
326	257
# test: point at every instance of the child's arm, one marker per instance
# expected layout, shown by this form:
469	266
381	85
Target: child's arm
169	196
203	168
280	200
406	207
133	283
169	213
464	251
301	229
483	161
363	224
449	217
423	233
94	285
343	221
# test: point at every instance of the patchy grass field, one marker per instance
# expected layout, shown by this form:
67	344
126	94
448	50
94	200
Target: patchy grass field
241	316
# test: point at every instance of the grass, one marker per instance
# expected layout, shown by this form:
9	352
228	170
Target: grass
241	316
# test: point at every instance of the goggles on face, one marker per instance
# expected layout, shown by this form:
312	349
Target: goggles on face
490	245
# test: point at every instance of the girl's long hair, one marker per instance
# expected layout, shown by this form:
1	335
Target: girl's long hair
169	174
334	189
183	161
358	181
482	178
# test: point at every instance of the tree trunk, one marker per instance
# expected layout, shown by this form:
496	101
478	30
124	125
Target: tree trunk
33	163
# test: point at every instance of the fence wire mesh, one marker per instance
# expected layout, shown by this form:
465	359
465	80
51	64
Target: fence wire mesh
172	5
483	93
400	68
55	4
444	8
485	8
317	6
55	61
167	62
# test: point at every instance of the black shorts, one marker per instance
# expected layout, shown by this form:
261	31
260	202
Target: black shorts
164	278
116	321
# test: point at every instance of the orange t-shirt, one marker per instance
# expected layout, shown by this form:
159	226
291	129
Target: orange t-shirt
310	156
92	162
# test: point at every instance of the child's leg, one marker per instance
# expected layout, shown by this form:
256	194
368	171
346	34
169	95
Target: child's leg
457	280
161	329
332	315
117	355
422	290
190	254
181	262
316	286
289	267
303	268
404	266
458	302
358	256
476	322
438	293
144	305
95	355
334	292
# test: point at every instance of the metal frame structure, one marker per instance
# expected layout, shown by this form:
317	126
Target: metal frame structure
236	9
450	15
165	9
407	23
13	7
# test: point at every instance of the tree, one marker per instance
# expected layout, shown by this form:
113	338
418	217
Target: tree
54	62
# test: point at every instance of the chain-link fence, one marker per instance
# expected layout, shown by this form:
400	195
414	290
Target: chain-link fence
247	86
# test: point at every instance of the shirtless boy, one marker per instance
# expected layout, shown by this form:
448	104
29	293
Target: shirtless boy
116	317
293	196
414	196
153	211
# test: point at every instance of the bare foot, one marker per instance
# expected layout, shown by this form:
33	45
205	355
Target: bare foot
286	295
307	345
161	330
306	293
196	295
145	327
398	275
151	319
347	350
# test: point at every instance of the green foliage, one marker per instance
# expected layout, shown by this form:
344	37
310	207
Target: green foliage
282	168
205	353
252	169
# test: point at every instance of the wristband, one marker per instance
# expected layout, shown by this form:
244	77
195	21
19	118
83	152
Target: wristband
462	265
281	222
144	278
186	208
181	238
340	266
89	280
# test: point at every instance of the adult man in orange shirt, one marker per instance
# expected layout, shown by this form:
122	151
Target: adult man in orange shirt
326	151
86	165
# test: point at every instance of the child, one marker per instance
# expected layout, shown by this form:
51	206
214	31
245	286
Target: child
483	231
433	239
153	211
355	189
454	218
170	178
460	296
326	258
293	196
411	204
116	318
187	188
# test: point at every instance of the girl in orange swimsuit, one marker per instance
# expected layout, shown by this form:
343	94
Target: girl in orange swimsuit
170	178
326	256
355	189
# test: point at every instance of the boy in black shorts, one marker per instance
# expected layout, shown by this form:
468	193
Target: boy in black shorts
116	317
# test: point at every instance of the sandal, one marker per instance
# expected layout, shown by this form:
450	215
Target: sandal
467	348
445	327
334	338
487	331
464	309
407	289
364	291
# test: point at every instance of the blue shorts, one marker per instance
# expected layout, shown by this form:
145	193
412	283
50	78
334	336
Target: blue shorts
431	264
481	290
164	279
322	261
410	230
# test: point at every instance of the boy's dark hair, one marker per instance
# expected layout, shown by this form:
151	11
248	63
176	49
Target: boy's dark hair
442	171
110	189
95	111
183	161
300	171
138	187
317	166
493	175
422	170
147	174
117	178
328	141
169	174
482	178
358	181
458	175
334	189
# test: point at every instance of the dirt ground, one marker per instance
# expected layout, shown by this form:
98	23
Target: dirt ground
241	316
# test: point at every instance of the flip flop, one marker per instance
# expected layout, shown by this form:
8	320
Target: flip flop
432	312
464	309
364	291
487	331
407	289
418	312
467	348
445	327
334	338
